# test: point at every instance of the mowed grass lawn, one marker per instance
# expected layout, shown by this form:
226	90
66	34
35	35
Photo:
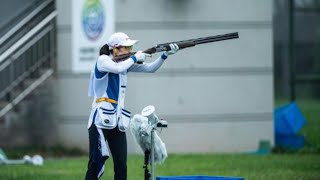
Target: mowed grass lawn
300	165
249	166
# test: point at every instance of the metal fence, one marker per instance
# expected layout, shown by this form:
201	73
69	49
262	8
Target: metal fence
27	56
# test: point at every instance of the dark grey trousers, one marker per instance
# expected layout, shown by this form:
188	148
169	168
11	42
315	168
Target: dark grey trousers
117	142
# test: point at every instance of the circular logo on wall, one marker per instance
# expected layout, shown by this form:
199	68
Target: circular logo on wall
93	19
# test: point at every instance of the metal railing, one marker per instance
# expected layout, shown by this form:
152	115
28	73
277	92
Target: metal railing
28	53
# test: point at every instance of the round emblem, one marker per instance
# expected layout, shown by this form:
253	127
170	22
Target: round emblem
93	19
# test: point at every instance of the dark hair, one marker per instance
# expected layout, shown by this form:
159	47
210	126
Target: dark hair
104	50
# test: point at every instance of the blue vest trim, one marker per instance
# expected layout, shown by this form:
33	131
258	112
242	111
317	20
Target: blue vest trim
125	111
109	113
126	115
113	87
108	110
94	117
97	73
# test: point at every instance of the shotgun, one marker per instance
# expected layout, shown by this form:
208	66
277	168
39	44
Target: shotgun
182	44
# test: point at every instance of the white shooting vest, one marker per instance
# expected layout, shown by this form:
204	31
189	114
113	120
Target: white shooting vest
113	86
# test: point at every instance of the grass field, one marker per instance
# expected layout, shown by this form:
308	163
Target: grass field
286	165
249	166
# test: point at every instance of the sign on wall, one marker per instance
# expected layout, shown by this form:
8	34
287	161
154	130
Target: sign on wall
92	24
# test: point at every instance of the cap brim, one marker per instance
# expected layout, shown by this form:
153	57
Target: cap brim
130	42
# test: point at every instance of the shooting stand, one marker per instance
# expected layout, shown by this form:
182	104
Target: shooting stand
147	155
147	174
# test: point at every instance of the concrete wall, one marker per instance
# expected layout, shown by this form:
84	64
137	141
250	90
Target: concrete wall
216	97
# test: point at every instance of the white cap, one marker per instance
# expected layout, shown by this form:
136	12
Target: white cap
120	39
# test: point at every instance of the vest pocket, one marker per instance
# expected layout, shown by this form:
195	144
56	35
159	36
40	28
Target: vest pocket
107	114
124	120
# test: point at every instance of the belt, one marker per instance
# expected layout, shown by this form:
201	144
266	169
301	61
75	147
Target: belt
107	100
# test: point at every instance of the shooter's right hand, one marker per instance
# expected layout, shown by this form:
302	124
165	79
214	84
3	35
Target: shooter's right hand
139	57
